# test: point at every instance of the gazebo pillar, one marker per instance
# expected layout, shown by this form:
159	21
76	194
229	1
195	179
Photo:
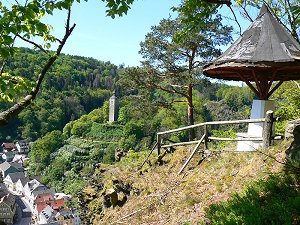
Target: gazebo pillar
259	109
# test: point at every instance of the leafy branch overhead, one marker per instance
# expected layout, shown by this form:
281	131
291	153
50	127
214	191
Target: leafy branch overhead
23	21
118	7
286	12
24	102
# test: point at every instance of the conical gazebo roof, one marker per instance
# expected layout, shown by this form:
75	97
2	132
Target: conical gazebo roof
264	53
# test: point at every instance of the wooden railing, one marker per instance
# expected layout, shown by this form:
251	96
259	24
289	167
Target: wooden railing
266	137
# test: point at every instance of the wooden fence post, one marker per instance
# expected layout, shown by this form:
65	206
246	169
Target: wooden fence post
158	144
267	131
206	137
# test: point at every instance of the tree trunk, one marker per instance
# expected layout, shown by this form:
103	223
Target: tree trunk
190	112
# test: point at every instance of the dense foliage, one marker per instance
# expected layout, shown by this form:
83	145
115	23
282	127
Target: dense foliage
74	86
275	200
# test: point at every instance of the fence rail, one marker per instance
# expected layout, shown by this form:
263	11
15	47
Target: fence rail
213	123
266	135
266	138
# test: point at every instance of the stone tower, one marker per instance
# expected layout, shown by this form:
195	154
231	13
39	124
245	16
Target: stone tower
113	109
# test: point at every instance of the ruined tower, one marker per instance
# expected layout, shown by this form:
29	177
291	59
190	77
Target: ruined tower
113	109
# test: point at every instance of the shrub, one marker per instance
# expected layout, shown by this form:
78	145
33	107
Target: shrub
272	201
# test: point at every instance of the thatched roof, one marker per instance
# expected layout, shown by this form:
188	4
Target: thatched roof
264	49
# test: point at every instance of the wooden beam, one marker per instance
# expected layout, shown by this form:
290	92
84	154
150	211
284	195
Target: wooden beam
249	85
180	144
148	156
159	141
267	131
256	81
235	139
192	154
271	81
264	87
212	123
206	137
275	88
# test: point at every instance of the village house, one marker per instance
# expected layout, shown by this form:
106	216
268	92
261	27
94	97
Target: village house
67	217
63	196
8	156
44	199
11	180
8	147
21	184
22	147
51	216
10	167
20	159
48	206
33	188
7	207
46	216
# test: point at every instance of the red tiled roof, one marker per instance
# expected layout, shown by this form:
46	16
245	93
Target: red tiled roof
43	197
40	206
8	145
58	203
46	199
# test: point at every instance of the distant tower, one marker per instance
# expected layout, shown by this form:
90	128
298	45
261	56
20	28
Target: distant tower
113	109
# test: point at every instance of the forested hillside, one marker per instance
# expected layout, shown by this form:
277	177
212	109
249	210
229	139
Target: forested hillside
73	87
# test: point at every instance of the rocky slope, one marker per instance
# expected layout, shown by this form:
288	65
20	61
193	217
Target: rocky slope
124	194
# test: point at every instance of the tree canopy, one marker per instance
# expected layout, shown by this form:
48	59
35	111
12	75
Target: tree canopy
73	86
174	66
286	12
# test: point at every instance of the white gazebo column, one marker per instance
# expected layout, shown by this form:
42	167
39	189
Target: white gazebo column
259	109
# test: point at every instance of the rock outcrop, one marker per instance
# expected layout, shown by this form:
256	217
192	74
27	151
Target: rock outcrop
95	199
293	152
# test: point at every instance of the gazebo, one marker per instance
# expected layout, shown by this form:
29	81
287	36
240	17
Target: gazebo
263	57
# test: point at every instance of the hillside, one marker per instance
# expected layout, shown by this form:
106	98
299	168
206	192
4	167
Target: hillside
74	86
204	194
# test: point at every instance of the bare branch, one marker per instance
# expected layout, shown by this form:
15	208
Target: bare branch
179	92
33	43
221	2
246	14
6	115
277	18
2	66
180	86
236	20
197	64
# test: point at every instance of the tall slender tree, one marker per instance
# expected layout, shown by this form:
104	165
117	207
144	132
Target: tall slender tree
174	66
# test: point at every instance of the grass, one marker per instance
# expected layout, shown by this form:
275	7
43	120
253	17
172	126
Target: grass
205	193
275	200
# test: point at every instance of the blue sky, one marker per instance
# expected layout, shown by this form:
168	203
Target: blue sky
115	40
